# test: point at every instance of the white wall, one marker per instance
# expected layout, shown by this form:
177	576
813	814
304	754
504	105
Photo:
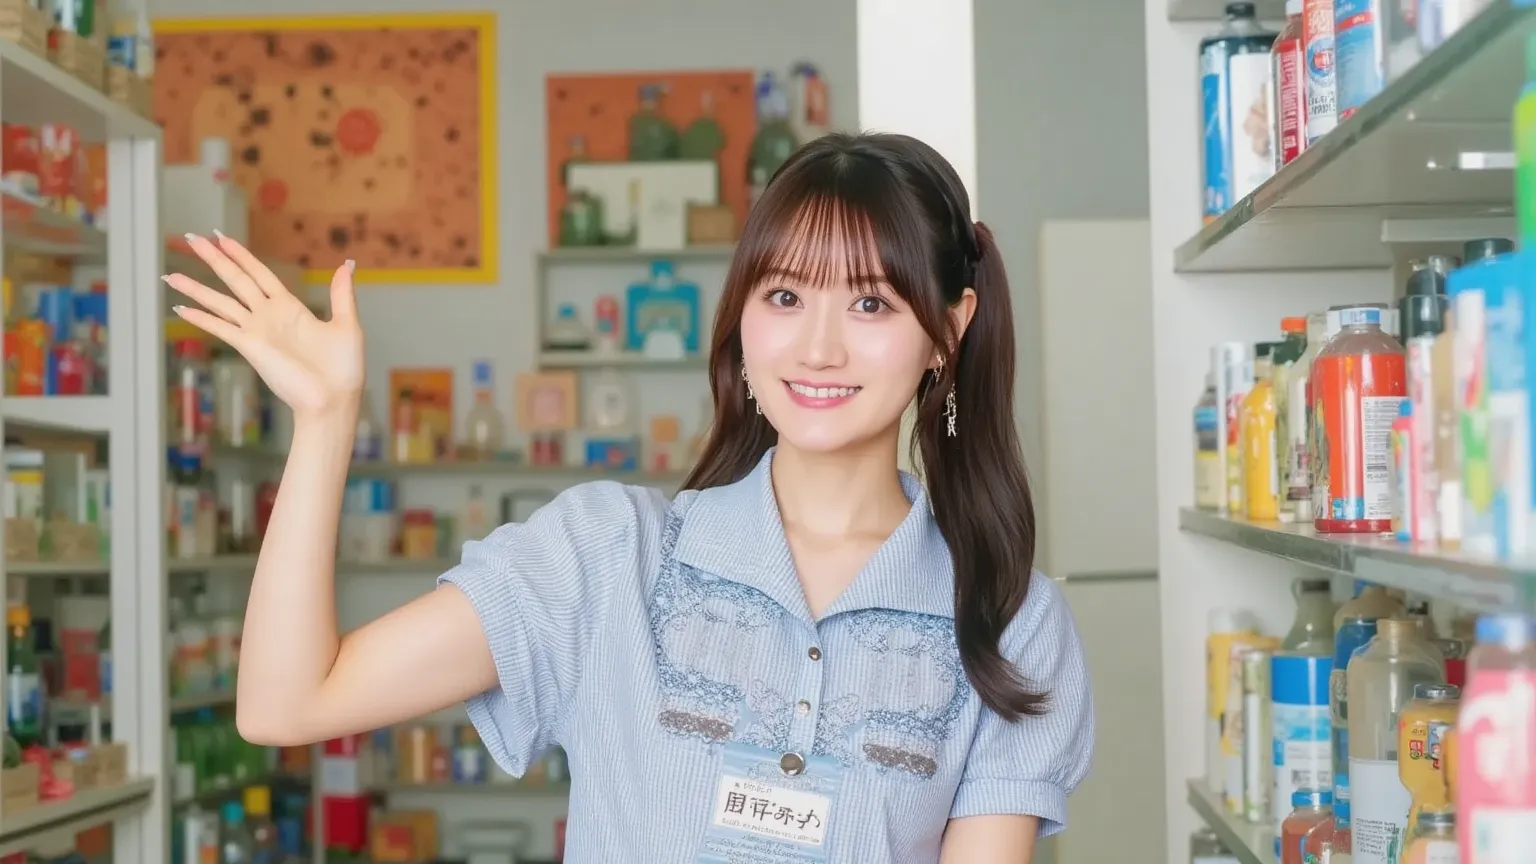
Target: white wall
1047	150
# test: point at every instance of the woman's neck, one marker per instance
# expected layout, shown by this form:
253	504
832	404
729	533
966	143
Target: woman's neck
847	492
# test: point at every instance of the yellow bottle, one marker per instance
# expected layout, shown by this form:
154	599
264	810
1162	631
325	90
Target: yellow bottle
1261	455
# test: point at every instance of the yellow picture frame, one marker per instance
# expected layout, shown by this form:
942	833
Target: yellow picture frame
484	24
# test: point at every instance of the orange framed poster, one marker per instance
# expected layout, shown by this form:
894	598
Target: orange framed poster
370	137
588	120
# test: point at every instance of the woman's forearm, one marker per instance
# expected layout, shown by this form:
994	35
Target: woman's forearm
290	639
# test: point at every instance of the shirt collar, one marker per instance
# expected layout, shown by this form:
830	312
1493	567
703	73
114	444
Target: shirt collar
735	532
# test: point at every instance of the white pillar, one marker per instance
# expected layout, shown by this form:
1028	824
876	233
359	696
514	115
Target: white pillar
917	76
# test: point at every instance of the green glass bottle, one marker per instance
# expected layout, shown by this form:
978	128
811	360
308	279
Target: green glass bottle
1525	151
651	137
24	683
703	139
775	140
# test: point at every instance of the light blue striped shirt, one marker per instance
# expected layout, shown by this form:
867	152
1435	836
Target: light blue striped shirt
644	635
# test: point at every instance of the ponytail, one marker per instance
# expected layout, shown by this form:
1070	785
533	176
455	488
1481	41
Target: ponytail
978	485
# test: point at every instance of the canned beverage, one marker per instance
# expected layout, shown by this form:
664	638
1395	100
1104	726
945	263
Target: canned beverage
1258	762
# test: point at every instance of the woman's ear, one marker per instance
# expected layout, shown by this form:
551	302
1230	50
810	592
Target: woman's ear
960	315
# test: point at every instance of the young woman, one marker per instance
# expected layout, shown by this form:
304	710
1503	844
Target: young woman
807	655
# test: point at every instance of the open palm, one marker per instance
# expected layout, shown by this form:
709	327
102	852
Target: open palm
310	364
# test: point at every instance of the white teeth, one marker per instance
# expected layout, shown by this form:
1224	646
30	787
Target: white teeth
823	392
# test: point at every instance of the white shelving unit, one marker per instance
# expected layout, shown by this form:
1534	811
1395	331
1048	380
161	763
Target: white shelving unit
1423	166
34	91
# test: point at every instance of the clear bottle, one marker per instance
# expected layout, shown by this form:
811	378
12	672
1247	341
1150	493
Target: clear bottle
235	845
263	833
1370	601
1283	364
1434	842
484	424
368	442
1210	478
1382	678
1312	629
1261	466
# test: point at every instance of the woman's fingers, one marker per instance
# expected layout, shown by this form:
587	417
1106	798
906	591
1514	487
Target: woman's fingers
344	293
212	325
240	283
220	304
265	278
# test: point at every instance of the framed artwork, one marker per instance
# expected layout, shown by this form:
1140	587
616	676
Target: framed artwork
370	137
546	401
587	120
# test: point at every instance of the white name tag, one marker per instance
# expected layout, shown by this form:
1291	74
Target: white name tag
772	811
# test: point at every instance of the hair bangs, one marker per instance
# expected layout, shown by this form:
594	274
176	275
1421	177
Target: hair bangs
833	222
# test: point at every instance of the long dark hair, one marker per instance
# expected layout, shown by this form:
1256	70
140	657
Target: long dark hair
909	199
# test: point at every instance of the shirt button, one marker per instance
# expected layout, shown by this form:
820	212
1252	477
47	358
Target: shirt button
792	764
802	707
815	653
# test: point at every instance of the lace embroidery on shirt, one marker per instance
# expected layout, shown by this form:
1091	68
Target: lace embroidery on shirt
710	637
911	692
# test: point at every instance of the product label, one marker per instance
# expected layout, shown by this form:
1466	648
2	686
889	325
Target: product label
1509	426
1471	372
1496	792
1402	512
1440	852
1303	753
1359	52
1209	482
1317	43
1379	811
1424	523
23	701
1215	133
1377	414
1298	466
1290	100
1248	82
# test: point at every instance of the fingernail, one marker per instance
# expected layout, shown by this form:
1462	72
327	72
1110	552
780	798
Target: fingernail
178	309
190	236
351	265
219	234
166	279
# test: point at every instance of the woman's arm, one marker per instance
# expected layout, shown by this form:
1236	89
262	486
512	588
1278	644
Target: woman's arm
299	682
990	840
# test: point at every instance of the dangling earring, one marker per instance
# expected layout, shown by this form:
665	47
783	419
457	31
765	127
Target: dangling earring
950	412
751	396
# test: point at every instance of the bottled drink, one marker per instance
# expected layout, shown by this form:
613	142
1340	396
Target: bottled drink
484	423
1381	683
235	846
1312	629
1358	383
1261	465
24	682
1309	808
1495	767
258	812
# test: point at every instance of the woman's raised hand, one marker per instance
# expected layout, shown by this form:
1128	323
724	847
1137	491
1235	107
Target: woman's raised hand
314	366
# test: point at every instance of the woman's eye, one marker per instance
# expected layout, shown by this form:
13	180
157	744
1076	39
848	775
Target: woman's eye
784	298
870	305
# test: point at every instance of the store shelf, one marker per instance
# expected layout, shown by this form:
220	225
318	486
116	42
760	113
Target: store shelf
623	254
231	791
33	91
509	470
43	822
86	415
1215	10
178	704
1465	580
594	360
1431	147
1248	842
403	566
520	790
217	564
31	225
